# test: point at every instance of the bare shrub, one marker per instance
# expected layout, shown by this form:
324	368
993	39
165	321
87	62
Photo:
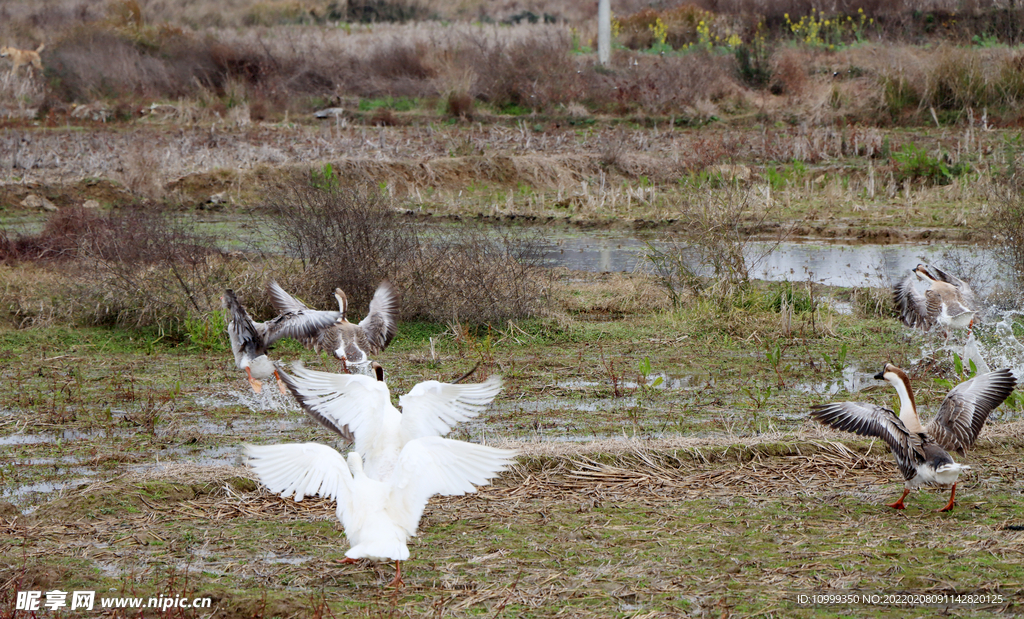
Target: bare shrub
532	73
346	236
1007	227
134	267
714	260
476	275
660	85
789	76
1010	82
956	80
352	237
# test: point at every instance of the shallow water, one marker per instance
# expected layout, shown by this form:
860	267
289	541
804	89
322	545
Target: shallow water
833	264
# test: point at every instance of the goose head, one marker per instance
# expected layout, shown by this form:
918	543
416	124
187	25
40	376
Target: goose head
378	371
908	409
923	273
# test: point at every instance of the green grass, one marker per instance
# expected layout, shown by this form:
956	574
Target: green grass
751	510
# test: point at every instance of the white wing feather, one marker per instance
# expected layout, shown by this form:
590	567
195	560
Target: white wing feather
301	470
434	465
353	400
432	408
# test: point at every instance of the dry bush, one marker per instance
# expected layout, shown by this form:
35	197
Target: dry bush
134	267
537	72
1007	228
956	80
346	236
714	260
352	237
662	85
1010	83
474	274
789	75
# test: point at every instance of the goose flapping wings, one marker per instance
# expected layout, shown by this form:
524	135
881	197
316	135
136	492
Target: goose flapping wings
350	343
378	515
879	422
966	408
359	408
949	301
250	340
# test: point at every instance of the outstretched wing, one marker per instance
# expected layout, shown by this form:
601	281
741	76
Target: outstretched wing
911	304
967	406
966	292
434	465
302	326
352	405
245	337
301	470
432	408
873	420
296	320
381	323
282	301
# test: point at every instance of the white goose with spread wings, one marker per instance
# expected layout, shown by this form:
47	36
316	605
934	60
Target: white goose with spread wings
250	340
351	343
379	516
921	451
948	302
359	408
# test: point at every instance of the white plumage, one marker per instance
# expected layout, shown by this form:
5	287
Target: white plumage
378	516
359	408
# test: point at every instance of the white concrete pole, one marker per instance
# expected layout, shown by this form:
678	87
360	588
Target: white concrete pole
604	31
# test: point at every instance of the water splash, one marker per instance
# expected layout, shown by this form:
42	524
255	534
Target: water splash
269	400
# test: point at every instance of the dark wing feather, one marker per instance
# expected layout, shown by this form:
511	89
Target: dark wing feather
242	329
967	406
303	326
911	304
381	323
282	301
297	321
876	421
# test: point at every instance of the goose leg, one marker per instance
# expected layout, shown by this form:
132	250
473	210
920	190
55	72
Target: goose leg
348	561
899	504
397	582
952	495
280	384
255	384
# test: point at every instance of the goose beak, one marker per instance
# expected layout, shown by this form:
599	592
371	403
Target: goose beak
880	375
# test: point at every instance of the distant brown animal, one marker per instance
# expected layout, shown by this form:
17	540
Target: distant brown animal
21	57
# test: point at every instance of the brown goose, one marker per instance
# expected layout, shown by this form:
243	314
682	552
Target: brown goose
250	340
921	451
351	343
948	301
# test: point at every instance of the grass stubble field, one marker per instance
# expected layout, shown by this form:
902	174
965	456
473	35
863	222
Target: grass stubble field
667	467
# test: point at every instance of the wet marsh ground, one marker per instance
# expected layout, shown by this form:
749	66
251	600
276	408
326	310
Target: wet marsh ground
667	467
708	495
